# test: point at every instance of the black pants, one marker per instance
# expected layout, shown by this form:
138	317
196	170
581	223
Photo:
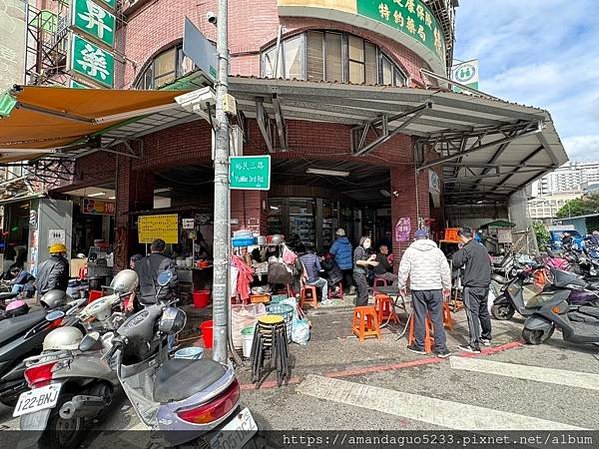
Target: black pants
425	301
477	311
348	280
362	284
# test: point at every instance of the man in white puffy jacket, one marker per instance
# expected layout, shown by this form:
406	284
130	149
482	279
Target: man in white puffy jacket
430	279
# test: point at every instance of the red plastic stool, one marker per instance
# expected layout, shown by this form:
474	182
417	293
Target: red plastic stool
379	282
384	308
311	299
366	323
429	340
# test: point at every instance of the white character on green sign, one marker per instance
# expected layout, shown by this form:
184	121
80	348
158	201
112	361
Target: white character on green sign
93	62
95	18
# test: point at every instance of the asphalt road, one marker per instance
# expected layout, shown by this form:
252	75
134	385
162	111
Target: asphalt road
339	383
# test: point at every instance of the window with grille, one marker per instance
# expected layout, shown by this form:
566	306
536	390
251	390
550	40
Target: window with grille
331	56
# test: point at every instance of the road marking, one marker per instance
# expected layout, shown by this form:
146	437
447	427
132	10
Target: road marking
576	379
448	414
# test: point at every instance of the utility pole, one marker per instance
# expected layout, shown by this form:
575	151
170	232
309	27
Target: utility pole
221	192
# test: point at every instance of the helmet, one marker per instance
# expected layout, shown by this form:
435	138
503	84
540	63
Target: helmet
276	239
67	337
172	320
16	308
124	282
57	248
54	299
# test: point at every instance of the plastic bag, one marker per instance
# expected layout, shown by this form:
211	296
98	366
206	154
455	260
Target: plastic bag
289	257
243	316
300	332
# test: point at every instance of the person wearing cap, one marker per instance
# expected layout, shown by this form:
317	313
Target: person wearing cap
476	280
425	265
53	273
342	252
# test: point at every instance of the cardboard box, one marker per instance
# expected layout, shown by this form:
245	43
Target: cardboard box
76	265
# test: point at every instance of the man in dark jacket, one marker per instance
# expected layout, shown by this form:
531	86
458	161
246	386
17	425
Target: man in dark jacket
148	269
384	270
53	273
476	280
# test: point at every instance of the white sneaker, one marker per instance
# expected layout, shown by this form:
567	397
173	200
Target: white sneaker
326	302
485	342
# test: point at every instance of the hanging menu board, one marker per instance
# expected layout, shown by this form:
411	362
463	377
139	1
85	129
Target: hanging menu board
152	227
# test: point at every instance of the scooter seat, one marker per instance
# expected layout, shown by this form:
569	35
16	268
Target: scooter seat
8	295
179	379
13	327
589	310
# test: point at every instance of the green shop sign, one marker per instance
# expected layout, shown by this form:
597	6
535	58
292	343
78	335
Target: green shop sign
110	3
91	61
411	17
94	20
249	172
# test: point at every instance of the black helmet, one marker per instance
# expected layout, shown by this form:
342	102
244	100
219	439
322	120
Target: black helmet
54	299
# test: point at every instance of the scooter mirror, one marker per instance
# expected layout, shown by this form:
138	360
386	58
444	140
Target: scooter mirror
90	342
55	315
164	278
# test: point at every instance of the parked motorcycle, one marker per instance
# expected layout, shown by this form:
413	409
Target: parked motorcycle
525	297
22	337
576	316
71	382
183	399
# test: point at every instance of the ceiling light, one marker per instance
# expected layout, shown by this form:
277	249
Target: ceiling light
319	171
163	190
96	194
112	197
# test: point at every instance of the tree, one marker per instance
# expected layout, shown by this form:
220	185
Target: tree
542	235
587	205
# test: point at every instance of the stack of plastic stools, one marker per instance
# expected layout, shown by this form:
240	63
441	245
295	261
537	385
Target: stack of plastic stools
366	323
270	344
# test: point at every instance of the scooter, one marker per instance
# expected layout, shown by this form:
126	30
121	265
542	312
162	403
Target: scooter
525	297
577	317
22	337
71	383
181	399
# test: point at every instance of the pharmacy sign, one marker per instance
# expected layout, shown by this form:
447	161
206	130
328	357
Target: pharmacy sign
92	19
91	61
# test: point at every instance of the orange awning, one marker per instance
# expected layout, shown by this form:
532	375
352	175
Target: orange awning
49	118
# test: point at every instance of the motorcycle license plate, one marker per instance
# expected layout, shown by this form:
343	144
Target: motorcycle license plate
37	399
236	433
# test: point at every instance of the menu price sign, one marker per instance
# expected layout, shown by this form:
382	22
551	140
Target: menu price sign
97	207
152	227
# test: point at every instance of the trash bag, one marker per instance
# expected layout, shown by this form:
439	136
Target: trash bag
300	332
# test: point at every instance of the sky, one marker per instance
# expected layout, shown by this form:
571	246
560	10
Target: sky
542	53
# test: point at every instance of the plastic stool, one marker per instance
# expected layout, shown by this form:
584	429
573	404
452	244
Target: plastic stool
429	340
379	282
384	308
366	323
339	295
447	318
312	299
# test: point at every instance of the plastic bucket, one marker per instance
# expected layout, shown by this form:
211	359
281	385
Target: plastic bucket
191	353
201	298
247	339
207	331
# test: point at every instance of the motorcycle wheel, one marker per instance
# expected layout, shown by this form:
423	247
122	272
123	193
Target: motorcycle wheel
62	433
536	337
502	312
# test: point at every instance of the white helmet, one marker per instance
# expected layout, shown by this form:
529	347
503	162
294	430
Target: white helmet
124	282
67	337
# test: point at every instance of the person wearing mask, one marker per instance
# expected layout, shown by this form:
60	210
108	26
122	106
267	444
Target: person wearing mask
425	265
341	249
363	260
476	280
148	269
384	270
312	268
53	273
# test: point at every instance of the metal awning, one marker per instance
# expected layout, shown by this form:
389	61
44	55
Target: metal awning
488	148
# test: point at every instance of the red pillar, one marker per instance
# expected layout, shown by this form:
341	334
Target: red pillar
248	207
410	199
134	192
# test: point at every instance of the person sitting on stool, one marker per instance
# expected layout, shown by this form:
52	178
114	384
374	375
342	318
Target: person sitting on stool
384	270
312	265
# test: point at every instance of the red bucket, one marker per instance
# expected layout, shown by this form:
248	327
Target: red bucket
207	331
201	298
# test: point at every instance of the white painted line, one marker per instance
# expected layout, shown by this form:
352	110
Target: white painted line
576	379
448	414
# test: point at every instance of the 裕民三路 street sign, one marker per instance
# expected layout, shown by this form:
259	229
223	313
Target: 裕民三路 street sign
249	172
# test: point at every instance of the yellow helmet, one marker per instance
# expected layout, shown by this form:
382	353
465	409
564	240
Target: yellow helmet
57	248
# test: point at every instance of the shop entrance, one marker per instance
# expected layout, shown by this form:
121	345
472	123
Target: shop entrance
309	200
